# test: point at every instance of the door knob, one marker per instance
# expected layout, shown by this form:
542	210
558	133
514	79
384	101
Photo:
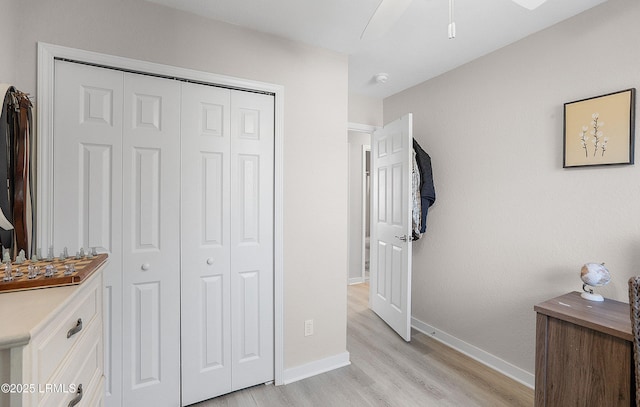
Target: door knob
145	266
210	261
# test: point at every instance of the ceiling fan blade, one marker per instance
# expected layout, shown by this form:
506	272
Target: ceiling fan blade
529	4
387	13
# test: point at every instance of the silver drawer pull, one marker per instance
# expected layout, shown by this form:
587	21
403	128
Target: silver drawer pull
75	329
77	398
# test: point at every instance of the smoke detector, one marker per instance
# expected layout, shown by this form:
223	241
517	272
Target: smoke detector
381	77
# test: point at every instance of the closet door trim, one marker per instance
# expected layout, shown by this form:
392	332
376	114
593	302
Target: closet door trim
47	53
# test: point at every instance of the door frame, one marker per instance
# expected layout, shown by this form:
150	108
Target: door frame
365	129
48	53
366	208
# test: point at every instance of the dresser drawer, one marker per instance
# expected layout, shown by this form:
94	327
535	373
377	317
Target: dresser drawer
56	340
97	398
48	364
83	366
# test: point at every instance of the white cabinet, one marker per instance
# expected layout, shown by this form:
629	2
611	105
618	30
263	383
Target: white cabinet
51	345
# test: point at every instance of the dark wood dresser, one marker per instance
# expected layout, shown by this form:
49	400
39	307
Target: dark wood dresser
584	353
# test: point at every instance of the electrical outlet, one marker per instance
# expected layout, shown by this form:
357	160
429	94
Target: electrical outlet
308	327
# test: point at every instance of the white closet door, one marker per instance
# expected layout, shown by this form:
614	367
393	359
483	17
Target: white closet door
87	196
252	132
118	185
206	247
227	241
151	241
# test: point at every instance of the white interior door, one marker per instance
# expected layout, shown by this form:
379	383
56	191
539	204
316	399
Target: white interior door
116	188
118	185
206	243
252	171
227	241
390	262
151	241
87	170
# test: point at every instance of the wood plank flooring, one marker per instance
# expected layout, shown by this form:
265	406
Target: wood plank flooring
387	371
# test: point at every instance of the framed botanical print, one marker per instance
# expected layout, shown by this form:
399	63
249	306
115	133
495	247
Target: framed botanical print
600	130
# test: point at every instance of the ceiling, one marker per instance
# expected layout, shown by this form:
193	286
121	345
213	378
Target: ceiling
415	49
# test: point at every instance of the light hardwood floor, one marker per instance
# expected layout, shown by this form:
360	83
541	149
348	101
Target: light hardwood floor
387	371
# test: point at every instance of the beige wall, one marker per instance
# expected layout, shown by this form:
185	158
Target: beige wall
7	40
511	227
365	110
315	139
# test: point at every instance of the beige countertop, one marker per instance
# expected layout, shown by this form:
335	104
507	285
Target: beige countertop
22	312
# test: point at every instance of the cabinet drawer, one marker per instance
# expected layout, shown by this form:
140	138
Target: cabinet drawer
97	398
52	346
84	367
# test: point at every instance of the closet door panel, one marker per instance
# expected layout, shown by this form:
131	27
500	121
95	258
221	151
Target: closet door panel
145	181
87	198
175	182
96	181
151	241
206	263
213	185
252	238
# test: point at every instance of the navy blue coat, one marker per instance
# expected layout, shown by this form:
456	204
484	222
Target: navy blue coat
427	189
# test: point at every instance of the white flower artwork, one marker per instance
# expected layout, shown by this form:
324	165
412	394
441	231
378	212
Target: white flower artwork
587	141
598	140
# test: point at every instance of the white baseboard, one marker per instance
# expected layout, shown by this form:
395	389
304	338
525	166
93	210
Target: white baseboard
484	357
355	280
316	367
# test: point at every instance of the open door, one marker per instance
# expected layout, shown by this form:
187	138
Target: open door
390	263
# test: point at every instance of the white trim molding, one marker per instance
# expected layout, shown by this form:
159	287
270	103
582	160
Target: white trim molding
362	128
48	53
316	367
484	357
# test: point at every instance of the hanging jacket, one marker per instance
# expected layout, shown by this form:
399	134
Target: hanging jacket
21	188
16	209
416	199
427	189
6	210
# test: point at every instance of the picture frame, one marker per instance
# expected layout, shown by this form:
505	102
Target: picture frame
600	130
